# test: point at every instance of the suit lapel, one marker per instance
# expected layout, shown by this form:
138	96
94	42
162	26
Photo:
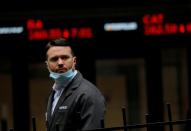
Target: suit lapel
49	106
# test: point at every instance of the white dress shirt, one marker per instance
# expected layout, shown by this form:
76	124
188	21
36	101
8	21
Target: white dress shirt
57	95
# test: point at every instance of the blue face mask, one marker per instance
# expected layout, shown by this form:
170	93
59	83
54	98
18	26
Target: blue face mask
62	77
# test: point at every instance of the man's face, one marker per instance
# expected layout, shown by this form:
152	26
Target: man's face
60	59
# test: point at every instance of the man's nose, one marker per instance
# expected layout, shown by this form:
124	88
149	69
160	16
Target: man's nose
60	61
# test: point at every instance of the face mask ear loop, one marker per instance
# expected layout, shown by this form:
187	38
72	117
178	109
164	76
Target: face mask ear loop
48	66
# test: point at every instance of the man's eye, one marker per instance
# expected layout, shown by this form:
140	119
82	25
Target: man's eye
54	59
64	57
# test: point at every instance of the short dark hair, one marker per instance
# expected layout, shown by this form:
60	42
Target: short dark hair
59	42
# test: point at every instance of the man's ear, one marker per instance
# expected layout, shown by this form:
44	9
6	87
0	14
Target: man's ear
75	60
46	62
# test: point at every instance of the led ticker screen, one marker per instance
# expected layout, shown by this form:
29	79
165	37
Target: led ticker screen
37	30
153	24
158	24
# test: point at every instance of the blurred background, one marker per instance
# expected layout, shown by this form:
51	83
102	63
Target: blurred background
137	53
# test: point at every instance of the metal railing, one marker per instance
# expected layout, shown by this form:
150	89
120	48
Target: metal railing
149	126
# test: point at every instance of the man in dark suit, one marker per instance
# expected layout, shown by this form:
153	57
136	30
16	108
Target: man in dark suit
74	103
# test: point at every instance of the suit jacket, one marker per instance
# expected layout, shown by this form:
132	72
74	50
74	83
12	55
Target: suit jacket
81	106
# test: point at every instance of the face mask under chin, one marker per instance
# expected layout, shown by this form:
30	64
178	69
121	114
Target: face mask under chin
61	77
